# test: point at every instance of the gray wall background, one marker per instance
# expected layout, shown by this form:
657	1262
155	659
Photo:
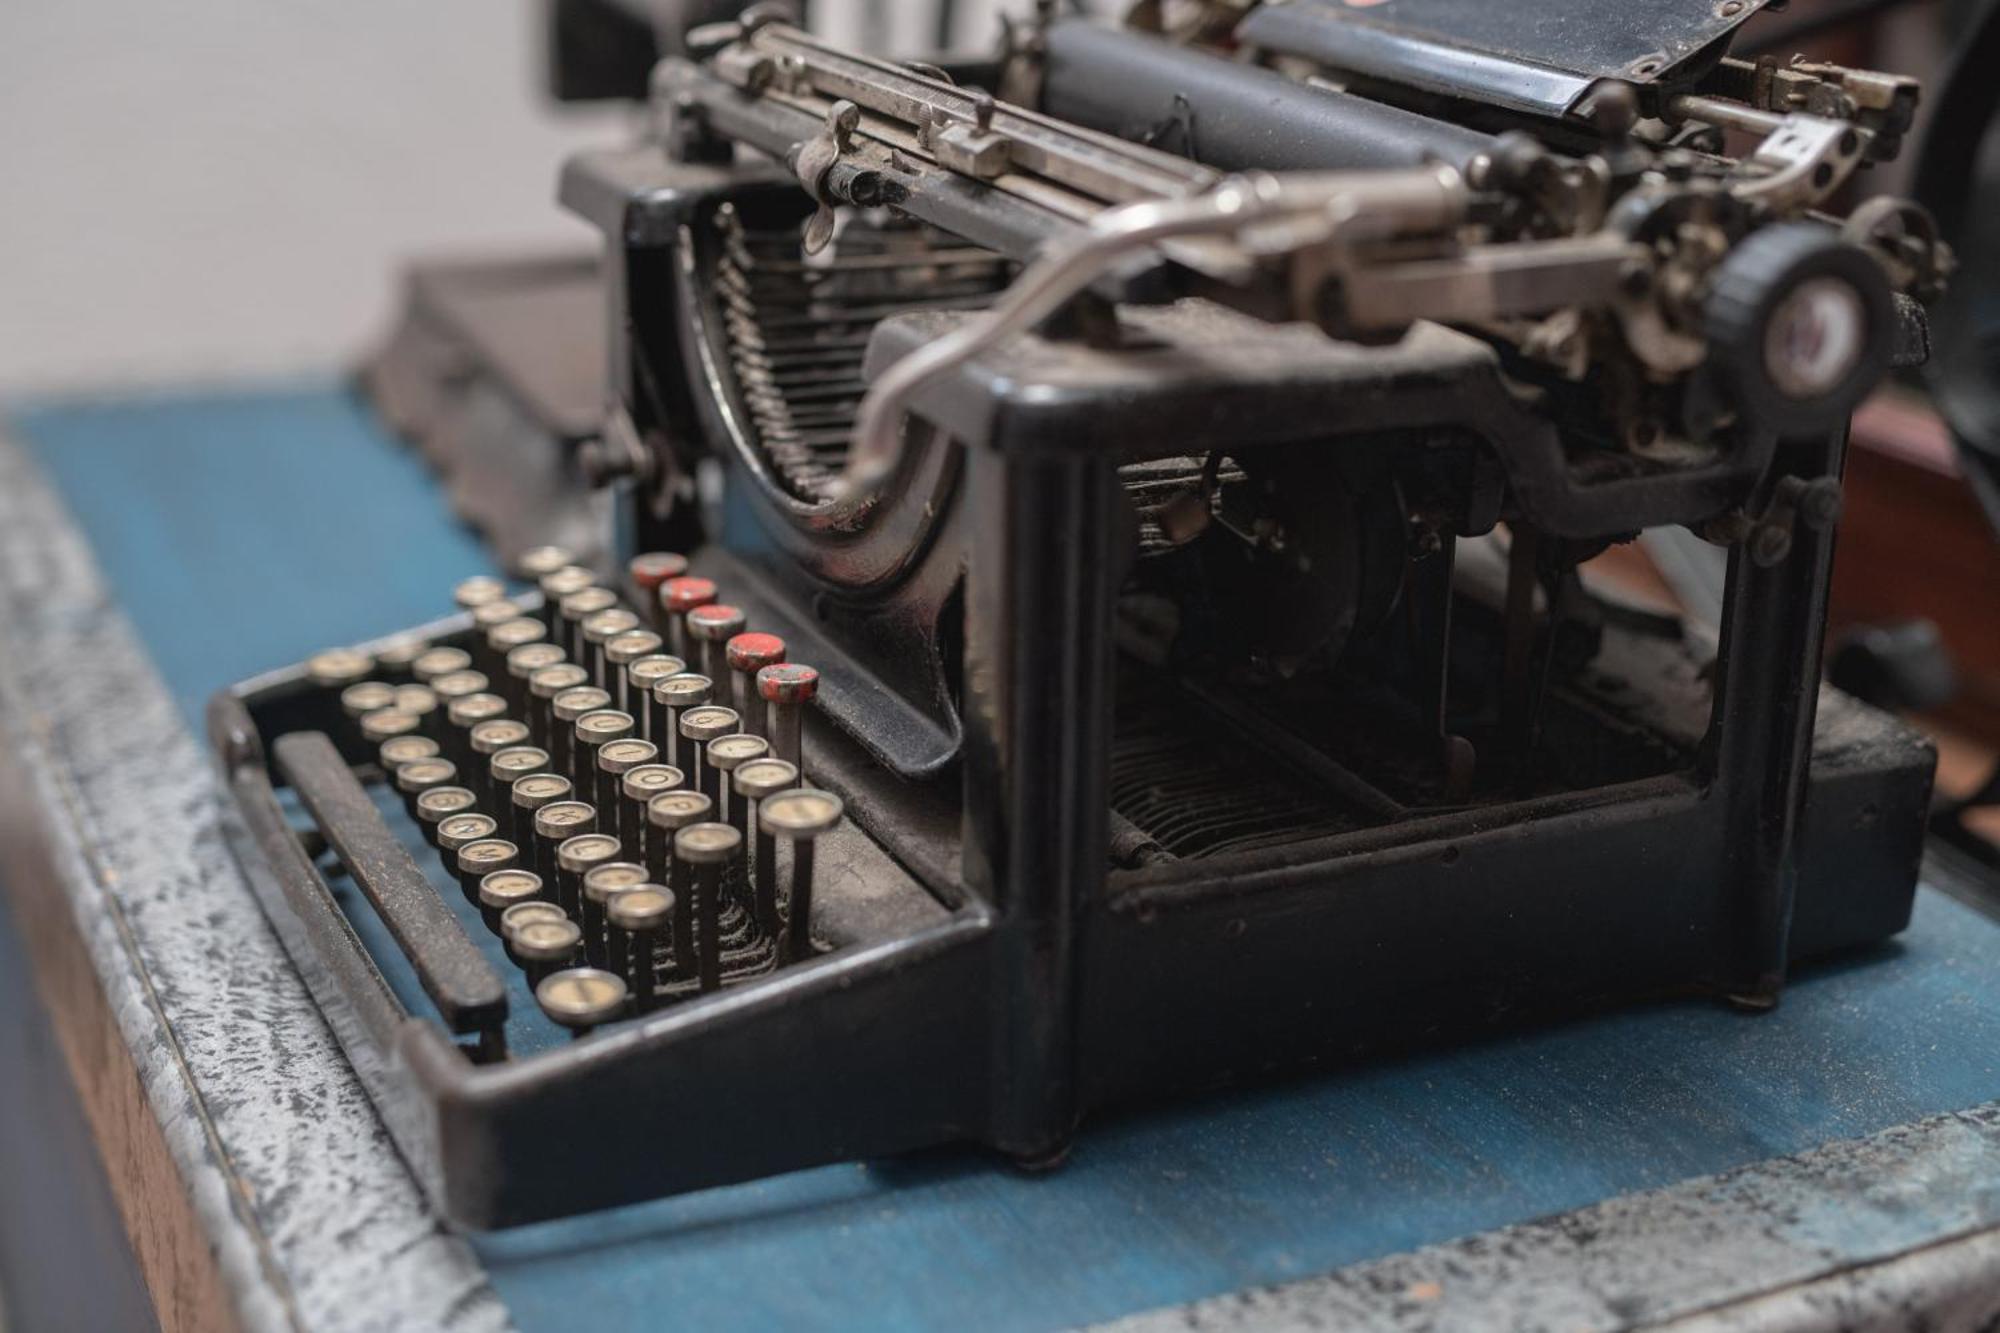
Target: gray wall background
210	190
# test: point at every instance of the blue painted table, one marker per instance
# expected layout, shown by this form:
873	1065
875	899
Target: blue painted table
243	531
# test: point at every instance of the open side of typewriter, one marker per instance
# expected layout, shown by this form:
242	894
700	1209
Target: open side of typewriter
1132	633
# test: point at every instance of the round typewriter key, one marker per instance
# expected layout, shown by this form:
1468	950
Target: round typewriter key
537	562
530	796
556	585
647	572
501	890
709	848
788	688
640	678
748	654
576	857
638	918
543	687
574	610
337	668
393	753
620	652
455	831
614	760
396	657
713	626
638	786
420	775
666	815
477	860
799	816
420	702
581	998
521	913
678	596
555	825
461	716
506	767
477	591
522	663
595	730
507	637
751	783
564	710
698	727
601	883
457	684
435	662
368	696
386	724
486	655
674	696
487	739
438	804
724	755
598	630
545	946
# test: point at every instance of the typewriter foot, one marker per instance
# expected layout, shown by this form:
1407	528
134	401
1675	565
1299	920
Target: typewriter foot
1048	1159
1762	1000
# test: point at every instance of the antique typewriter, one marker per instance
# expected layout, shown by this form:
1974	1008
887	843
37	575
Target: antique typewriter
1062	579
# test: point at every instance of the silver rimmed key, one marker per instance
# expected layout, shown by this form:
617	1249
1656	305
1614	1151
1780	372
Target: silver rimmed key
387	724
530	796
800	817
788	688
678	596
487	739
537	562
645	573
506	767
477	860
620	652
641	676
457	832
598	630
558	584
712	627
674	696
461	715
576	857
666	815
420	702
478	591
507	637
396	751
439	661
556	824
614	760
638	918
485	619
420	775
748	654
639	786
506	889
581	998
564	710
367	696
752	783
518	916
337	668
543	687
449	689
699	726
601	883
708	848
543	946
595	730
574	610
724	755
395	658
523	663
437	804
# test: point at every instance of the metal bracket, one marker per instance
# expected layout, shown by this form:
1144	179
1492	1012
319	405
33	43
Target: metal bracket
815	159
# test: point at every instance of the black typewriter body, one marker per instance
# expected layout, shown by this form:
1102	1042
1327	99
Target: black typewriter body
1207	696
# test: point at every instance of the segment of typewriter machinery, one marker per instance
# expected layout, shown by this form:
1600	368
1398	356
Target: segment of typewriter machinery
1174	449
